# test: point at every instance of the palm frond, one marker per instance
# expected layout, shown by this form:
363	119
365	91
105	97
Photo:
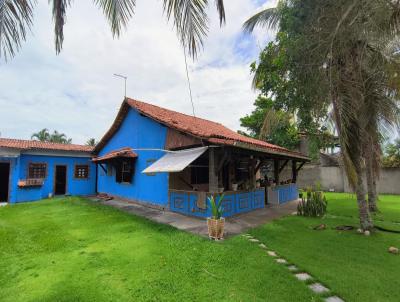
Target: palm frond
268	18
190	21
118	13
59	9
221	11
15	19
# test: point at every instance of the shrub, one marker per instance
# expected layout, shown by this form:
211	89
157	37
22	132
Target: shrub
216	206
313	205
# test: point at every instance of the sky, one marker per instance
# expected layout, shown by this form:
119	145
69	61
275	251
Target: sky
76	93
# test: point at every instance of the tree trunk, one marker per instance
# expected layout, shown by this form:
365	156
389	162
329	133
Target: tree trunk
371	179
365	218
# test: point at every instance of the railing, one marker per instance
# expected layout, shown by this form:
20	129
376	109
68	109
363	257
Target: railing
194	203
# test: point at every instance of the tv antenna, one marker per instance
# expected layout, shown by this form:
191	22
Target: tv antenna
122	77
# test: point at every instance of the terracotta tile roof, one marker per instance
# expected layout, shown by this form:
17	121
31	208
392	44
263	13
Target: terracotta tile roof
198	127
124	152
37	145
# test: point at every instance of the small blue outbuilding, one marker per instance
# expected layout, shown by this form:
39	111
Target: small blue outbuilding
32	170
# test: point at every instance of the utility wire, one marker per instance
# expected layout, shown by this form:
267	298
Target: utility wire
187	76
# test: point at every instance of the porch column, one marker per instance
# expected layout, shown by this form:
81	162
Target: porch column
212	171
276	171
294	171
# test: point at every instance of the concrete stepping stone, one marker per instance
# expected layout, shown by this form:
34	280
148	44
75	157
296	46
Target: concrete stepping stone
292	268
254	240
262	245
271	253
318	288
303	277
334	299
281	261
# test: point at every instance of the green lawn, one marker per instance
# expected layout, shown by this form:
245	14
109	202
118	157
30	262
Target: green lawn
354	266
76	250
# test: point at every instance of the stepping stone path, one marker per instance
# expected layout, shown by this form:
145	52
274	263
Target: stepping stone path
316	287
333	299
281	261
303	276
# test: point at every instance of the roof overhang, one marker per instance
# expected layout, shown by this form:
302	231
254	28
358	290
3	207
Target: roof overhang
175	161
124	153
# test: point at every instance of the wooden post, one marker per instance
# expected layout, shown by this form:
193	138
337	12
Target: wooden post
294	171
276	171
212	173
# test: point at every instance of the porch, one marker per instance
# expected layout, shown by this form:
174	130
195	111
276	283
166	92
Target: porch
233	225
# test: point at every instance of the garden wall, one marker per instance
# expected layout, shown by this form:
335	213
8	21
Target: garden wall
334	178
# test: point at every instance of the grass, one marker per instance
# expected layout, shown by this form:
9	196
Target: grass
76	250
73	249
354	266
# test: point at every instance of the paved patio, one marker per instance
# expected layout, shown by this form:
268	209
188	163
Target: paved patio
233	226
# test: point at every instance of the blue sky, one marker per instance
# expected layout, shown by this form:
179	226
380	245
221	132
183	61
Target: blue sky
76	93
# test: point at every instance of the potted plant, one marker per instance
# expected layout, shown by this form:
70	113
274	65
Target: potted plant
216	222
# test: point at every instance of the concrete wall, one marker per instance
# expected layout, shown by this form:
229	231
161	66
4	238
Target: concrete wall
335	178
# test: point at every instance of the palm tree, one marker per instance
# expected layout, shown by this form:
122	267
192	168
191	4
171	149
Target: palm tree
346	41
61	138
91	142
43	135
189	18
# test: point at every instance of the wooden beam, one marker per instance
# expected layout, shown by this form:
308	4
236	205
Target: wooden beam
294	171
276	171
212	173
223	160
283	166
300	166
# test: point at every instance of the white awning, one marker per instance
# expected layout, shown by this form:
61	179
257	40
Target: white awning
175	161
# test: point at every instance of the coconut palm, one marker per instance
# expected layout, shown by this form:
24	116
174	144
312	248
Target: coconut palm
189	18
61	138
43	135
91	142
345	43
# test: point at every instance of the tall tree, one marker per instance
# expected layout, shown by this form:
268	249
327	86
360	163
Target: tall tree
189	18
43	135
91	142
336	51
61	138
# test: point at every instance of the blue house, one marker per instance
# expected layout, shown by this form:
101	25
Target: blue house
32	170
157	157
170	160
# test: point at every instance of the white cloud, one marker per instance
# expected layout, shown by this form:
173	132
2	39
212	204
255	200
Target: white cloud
77	94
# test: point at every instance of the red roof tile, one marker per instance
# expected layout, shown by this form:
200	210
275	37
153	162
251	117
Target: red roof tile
38	145
198	127
124	152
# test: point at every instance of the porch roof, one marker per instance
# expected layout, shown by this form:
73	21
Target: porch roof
121	153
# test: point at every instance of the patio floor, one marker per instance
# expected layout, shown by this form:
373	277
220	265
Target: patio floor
233	225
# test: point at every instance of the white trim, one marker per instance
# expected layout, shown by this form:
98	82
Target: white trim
7	152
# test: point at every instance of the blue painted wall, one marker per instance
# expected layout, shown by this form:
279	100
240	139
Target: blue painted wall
19	171
138	132
233	203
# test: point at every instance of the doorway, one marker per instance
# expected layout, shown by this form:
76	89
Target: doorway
60	182
4	181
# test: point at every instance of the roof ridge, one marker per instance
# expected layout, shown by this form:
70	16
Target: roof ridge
163	108
43	142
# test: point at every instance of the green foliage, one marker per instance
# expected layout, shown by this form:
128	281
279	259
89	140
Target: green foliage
391	158
56	137
216	206
269	124
313	205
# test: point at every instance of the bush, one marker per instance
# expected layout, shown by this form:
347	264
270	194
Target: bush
313	205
